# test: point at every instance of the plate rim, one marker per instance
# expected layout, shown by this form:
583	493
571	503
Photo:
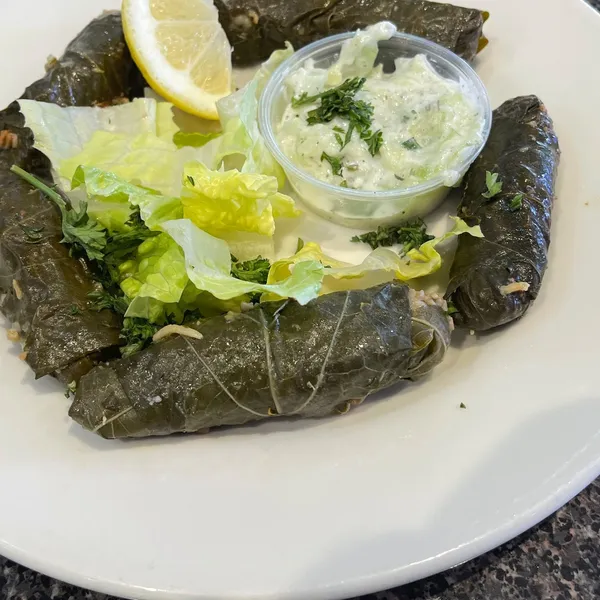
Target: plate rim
493	538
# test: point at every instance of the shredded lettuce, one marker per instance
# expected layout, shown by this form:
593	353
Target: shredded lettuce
133	140
238	114
196	140
111	198
225	201
246	245
379	266
159	273
62	132
208	264
155	278
145	159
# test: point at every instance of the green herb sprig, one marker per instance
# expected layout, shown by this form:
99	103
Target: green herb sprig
516	203
494	187
103	299
77	227
374	141
335	162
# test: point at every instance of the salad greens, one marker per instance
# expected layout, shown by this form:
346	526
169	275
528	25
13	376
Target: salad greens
208	264
195	139
170	239
133	140
380	266
241	137
77	227
225	201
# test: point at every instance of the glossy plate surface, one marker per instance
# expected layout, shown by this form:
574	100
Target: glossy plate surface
400	488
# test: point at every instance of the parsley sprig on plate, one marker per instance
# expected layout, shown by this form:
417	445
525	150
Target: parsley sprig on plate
410	235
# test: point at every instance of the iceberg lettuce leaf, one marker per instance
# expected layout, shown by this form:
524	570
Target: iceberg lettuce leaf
145	159
133	140
238	114
111	197
220	202
208	263
196	139
158	273
380	266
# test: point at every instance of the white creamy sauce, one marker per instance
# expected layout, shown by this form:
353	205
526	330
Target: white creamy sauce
428	124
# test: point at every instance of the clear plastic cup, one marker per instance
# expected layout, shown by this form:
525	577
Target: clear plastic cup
357	208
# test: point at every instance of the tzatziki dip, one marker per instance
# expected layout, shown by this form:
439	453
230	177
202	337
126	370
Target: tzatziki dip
355	126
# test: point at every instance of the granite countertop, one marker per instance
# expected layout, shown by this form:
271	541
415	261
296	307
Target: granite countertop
558	559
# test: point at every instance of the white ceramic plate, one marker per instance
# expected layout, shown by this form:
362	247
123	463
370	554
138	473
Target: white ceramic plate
394	491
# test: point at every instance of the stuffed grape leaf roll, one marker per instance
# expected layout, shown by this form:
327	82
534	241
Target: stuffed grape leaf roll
44	289
495	279
256	28
278	359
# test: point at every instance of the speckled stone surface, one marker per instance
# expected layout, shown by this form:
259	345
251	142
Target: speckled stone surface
557	560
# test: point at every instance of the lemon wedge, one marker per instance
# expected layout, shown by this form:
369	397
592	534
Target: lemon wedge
181	50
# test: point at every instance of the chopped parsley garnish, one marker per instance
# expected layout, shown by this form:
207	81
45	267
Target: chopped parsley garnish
410	235
463	405
191	180
494	187
348	137
137	334
340	102
122	244
334	161
102	299
516	203
332	100
32	234
344	183
374	141
255	270
299	245
411	144
106	253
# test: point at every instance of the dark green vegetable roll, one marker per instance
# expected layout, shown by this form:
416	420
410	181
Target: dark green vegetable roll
509	192
44	289
256	28
278	359
95	69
